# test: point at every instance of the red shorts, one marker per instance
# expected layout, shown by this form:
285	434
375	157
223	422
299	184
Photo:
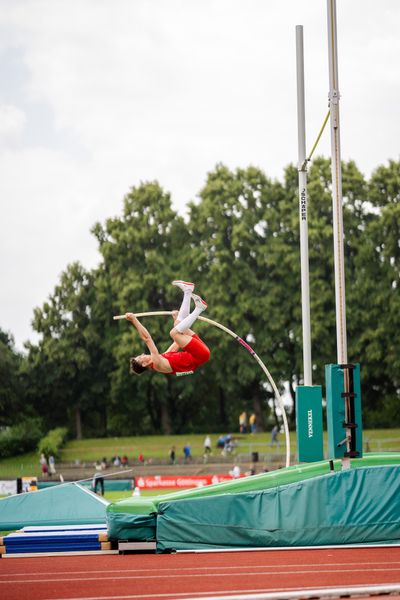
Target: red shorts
193	355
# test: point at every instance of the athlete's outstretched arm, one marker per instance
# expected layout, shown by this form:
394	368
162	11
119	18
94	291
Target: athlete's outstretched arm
142	331
160	363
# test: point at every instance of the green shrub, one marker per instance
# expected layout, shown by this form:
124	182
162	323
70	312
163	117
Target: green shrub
52	443
20	438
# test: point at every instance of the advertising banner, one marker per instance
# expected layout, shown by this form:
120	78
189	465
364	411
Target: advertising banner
180	481
8	488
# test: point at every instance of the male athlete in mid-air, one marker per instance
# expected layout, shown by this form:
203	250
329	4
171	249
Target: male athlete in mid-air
187	352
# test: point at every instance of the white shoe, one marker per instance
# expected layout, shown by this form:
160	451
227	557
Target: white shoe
199	302
185	286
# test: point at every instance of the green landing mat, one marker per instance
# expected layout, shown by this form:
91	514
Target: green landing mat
356	506
125	518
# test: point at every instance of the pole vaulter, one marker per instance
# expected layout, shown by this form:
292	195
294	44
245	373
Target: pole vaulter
248	348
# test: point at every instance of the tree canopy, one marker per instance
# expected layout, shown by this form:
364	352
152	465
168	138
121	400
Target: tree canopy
240	243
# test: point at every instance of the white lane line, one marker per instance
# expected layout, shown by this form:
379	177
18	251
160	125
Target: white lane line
367	569
315	593
267	593
287	548
210	568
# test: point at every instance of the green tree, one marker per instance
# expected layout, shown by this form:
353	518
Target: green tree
12	407
65	367
228	227
142	252
378	281
240	245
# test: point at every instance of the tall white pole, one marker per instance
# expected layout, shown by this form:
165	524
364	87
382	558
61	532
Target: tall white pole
303	218
337	200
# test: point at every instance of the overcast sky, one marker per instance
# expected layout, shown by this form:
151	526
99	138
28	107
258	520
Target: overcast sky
99	95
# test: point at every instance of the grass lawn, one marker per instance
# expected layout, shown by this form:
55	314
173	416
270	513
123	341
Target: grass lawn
115	496
157	447
152	446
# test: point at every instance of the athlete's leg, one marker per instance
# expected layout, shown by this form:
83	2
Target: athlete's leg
174	314
186	323
187	289
180	333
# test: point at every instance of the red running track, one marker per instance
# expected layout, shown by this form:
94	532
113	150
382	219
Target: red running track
167	576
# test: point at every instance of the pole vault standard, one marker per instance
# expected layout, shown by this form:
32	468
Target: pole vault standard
337	200
303	201
342	380
308	397
250	350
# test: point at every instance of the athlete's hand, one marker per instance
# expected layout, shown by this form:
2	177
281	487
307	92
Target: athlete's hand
130	317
